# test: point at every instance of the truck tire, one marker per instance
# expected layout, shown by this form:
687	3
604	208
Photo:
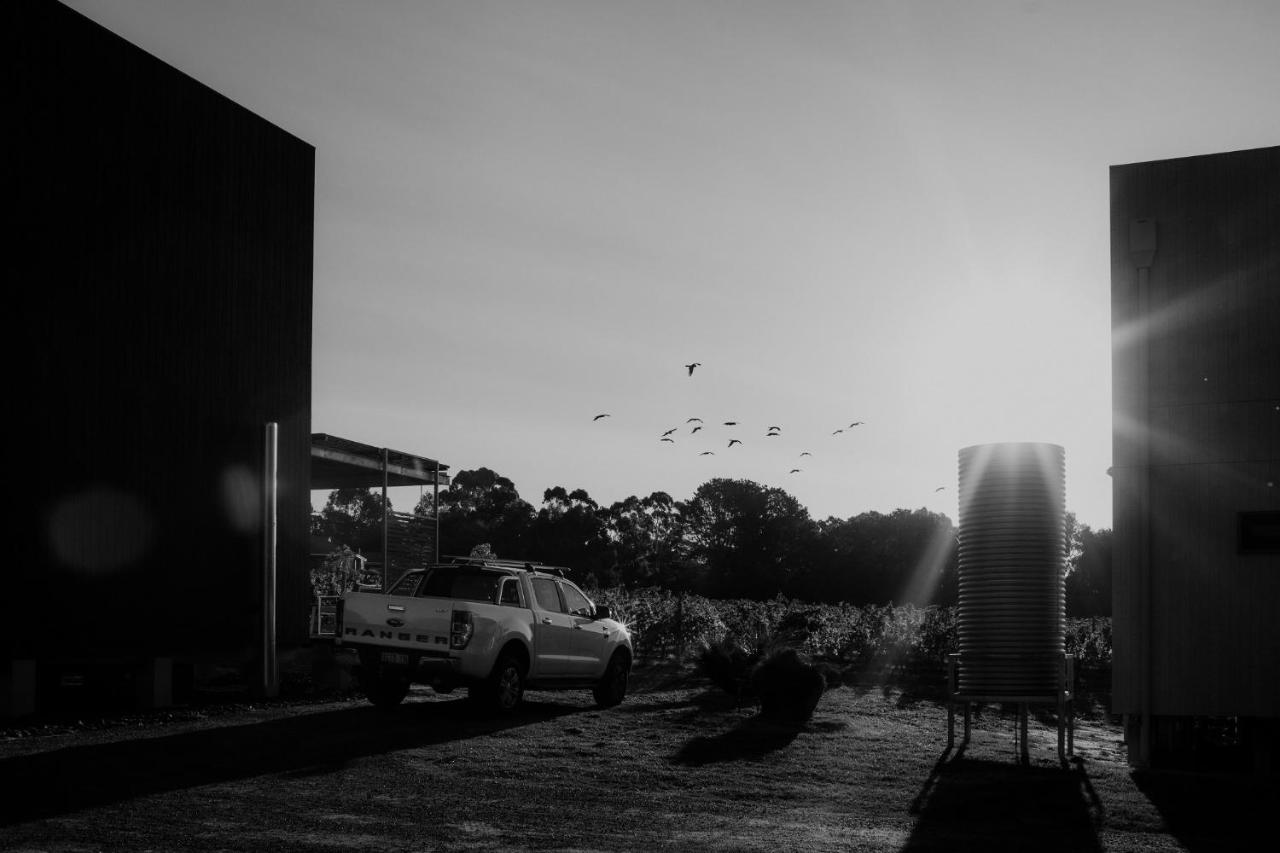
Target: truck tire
612	687
503	690
383	689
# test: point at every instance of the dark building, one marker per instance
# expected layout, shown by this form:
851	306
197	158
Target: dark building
1195	254
164	284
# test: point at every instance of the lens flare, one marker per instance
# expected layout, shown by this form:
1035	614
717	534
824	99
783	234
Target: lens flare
100	530
241	499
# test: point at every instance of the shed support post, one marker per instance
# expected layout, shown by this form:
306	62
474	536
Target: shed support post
386	521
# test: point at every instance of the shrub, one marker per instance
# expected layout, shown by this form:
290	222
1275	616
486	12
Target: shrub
727	664
728	660
340	572
870	638
788	686
1089	639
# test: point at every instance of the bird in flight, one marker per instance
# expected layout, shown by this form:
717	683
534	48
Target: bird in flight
691	420
775	429
794	471
806	453
668	432
730	423
940	488
598	417
854	424
695	429
837	432
690	367
672	440
707	453
734	441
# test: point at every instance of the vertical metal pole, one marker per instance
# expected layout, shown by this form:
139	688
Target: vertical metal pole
435	506
1070	706
270	675
951	701
1062	711
1022	725
386	556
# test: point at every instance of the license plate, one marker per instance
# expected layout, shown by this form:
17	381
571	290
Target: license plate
395	658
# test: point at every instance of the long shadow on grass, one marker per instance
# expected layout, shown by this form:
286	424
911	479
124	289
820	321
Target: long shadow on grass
77	777
753	739
710	700
1213	811
969	805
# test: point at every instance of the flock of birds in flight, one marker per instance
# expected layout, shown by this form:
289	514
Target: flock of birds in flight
772	432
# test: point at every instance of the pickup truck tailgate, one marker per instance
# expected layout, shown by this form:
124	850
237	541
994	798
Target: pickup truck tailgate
414	624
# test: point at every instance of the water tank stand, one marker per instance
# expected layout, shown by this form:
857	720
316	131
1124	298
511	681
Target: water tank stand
1063	698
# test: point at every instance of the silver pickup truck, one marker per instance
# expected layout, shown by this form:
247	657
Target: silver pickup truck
494	626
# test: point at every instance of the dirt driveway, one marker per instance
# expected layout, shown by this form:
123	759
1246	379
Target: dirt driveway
677	766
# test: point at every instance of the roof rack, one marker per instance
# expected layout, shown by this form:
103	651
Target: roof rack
519	565
494	561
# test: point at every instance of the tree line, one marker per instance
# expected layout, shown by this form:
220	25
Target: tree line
730	539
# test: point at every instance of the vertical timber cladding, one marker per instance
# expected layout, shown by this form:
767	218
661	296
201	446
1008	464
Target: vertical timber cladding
1201	405
165	263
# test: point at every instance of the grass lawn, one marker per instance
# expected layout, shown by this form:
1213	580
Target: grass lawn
677	766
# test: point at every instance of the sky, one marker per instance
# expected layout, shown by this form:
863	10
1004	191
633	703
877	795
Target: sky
531	213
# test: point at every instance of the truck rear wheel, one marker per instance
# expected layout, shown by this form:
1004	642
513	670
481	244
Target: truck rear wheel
387	693
383	688
504	688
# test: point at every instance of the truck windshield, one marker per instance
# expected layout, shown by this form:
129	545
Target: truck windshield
461	582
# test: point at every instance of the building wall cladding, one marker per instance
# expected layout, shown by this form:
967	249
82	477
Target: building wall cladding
165	261
1207	406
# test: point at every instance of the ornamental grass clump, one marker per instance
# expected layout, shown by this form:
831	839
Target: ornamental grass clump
727	664
788	686
729	661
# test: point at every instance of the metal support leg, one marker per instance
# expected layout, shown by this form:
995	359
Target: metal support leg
1071	726
1062	726
951	701
1017	729
1071	705
1022	726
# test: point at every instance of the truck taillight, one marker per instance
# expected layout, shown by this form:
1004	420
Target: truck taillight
461	629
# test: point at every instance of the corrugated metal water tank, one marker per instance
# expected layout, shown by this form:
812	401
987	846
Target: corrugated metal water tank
1012	607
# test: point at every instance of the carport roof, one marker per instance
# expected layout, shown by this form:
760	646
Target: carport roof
340	463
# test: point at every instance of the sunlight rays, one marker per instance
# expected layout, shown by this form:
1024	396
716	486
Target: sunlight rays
1197	307
926	575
